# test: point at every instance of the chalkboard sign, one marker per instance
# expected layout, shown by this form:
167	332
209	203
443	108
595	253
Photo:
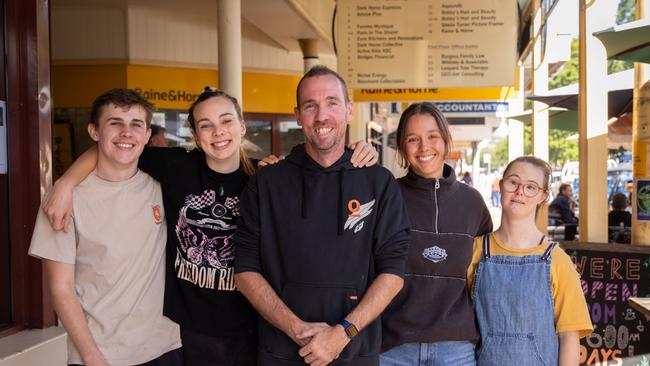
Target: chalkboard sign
610	274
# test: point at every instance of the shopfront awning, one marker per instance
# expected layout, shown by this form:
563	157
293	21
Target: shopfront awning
558	118
619	129
619	95
618	101
627	42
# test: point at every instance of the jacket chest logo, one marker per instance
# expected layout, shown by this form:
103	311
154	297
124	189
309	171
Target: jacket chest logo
357	212
435	254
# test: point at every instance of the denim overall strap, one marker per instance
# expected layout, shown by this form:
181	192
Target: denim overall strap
514	309
486	246
547	253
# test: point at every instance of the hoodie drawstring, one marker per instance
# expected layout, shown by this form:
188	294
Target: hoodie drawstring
341	211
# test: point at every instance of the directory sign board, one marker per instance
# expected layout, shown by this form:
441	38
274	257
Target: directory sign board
427	43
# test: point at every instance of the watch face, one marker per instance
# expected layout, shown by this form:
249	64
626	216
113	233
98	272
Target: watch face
351	331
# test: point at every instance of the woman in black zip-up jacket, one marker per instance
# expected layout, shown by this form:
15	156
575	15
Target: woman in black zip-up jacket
432	319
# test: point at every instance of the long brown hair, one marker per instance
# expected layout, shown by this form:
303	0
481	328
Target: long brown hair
209	93
426	109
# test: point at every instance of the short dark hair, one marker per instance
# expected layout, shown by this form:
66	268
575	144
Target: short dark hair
427	109
619	201
320	70
121	97
155	130
563	187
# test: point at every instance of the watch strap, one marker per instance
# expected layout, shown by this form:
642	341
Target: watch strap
350	329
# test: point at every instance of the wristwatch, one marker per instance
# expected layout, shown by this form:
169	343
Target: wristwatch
350	329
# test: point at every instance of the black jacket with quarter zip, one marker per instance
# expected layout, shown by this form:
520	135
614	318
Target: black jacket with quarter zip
320	236
434	304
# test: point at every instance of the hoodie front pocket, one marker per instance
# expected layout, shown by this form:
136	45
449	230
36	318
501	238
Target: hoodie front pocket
312	303
317	303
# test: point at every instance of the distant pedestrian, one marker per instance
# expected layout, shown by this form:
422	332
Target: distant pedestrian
467	179
158	138
496	195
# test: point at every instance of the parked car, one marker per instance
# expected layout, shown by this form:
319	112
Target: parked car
618	178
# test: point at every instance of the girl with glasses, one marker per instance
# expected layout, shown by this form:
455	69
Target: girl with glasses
527	294
431	321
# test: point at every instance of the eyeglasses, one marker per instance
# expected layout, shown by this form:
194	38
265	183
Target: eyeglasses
511	185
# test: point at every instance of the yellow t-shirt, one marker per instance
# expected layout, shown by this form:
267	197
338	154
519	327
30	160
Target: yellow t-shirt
570	307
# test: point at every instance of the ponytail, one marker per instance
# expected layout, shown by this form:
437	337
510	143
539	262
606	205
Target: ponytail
245	162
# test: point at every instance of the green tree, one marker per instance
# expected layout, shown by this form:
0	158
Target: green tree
569	72
560	150
499	153
626	11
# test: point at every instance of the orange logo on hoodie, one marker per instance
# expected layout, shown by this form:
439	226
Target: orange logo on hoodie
354	206
157	216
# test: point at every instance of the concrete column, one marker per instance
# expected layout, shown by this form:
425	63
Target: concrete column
515	139
540	130
540	110
309	48
229	34
592	120
357	126
476	161
516	128
540	87
641	134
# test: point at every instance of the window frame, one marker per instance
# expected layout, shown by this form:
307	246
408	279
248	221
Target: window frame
29	120
275	119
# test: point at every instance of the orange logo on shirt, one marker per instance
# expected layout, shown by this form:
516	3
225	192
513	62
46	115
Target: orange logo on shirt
157	217
354	206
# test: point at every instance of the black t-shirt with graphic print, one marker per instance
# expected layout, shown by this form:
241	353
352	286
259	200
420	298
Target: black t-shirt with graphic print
202	208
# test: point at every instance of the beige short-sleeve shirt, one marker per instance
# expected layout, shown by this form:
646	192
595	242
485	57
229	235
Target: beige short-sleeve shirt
117	245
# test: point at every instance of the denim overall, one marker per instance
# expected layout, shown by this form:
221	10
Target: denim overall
514	309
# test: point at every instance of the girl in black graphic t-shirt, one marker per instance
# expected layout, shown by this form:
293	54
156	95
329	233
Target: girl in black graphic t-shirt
201	191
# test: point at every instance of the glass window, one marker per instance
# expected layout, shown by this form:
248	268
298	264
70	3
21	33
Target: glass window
259	135
290	136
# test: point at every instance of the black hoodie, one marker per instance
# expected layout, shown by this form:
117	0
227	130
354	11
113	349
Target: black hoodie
320	236
434	304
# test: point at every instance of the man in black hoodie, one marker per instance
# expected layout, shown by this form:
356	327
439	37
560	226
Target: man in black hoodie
321	246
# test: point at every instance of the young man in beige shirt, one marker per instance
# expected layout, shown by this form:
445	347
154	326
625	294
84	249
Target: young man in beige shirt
106	273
